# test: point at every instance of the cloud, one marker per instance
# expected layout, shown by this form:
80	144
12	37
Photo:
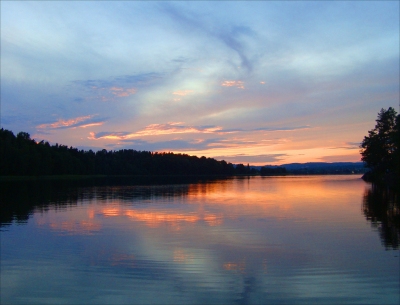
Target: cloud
229	35
233	83
348	145
157	130
339	158
106	94
232	149
353	144
82	122
122	92
118	87
172	128
232	40
91	124
171	145
282	128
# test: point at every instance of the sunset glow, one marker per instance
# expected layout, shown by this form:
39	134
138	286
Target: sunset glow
247	82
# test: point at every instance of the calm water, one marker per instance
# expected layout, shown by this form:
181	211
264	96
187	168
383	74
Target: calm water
268	240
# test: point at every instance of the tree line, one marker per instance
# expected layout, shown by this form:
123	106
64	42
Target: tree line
21	155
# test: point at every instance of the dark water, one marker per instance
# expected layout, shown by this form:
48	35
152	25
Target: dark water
259	240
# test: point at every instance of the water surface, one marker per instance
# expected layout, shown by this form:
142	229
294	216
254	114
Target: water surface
258	240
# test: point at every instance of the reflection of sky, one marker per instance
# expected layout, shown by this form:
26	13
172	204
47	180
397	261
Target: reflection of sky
244	240
259	82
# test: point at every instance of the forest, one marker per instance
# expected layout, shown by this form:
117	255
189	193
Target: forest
22	156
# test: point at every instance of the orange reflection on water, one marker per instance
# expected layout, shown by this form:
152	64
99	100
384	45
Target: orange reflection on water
91	213
307	197
261	189
213	220
112	211
155	219
299	198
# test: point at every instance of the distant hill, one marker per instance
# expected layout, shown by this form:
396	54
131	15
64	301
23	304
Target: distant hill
321	167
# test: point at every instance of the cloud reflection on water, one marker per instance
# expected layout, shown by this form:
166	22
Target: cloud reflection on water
233	241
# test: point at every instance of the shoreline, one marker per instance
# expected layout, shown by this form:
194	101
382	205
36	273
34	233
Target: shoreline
390	180
84	177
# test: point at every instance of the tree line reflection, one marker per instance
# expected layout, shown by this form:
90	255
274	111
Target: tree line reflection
19	200
381	206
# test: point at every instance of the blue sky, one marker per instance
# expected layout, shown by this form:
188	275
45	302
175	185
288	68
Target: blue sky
260	82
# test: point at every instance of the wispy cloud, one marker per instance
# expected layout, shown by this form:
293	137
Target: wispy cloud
113	88
81	122
91	124
170	145
231	38
229	35
348	145
353	144
157	130
282	128
122	92
135	80
233	83
106	94
341	157
172	128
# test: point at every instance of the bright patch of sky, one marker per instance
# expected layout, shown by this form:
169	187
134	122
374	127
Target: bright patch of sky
259	82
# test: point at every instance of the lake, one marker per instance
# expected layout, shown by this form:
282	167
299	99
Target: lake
244	240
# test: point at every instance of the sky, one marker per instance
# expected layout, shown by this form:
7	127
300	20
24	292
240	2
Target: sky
260	82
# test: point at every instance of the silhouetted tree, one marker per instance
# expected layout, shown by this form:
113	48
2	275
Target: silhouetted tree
240	169
270	171
380	149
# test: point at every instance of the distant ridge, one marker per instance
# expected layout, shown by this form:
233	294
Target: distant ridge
321	167
313	164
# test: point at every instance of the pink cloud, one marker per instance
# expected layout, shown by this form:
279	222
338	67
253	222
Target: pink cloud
91	124
233	83
156	130
65	123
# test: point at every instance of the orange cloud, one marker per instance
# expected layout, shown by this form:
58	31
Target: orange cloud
233	83
156	130
65	123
